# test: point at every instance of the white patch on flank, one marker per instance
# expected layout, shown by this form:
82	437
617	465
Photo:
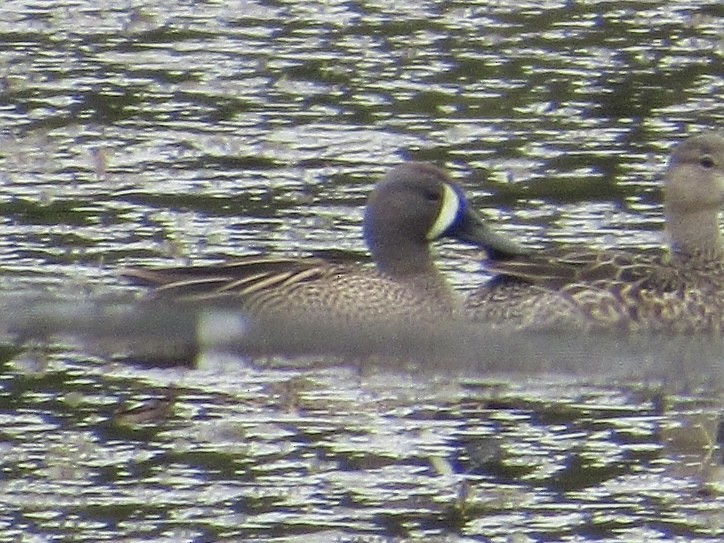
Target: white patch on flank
448	212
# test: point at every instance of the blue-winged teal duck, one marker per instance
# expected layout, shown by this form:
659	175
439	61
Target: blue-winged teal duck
412	206
676	290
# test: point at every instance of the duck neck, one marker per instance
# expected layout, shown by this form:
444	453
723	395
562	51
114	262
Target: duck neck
400	258
695	234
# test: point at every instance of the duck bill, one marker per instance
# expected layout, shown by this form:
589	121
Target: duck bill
472	229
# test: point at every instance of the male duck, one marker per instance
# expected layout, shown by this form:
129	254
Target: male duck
415	204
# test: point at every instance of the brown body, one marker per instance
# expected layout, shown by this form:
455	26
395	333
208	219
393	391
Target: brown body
676	290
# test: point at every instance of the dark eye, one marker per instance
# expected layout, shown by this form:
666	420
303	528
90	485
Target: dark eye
706	162
432	196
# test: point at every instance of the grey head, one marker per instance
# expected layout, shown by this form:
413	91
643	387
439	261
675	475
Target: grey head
694	195
415	204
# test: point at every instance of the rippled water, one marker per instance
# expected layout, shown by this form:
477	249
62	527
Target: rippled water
164	132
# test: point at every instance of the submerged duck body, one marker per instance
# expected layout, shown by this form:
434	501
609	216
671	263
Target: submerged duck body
676	290
414	205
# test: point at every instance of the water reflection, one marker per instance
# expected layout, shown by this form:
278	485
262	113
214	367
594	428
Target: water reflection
269	451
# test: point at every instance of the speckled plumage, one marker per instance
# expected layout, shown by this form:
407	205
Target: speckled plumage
679	290
415	204
268	286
